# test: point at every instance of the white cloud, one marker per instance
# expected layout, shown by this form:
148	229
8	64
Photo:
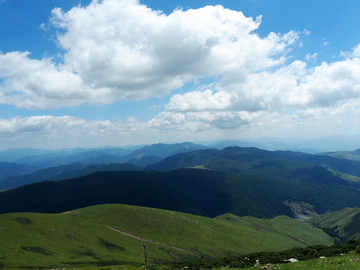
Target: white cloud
293	86
46	131
119	49
355	52
331	83
199	121
39	124
306	32
198	101
312	57
37	84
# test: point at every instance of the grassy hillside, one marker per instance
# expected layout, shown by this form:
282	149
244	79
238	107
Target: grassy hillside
342	225
347	262
114	234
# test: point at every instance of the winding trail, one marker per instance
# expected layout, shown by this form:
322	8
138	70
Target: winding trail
151	241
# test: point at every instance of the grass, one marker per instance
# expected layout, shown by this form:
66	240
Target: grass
345	262
345	176
81	238
342	225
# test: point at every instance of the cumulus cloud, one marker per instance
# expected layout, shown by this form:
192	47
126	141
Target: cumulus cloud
200	121
355	52
37	124
304	91
36	84
120	49
260	91
292	86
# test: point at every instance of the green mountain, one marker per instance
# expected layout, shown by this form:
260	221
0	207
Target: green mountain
114	234
203	192
288	165
343	225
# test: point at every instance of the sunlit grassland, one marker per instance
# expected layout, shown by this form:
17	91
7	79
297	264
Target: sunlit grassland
82	237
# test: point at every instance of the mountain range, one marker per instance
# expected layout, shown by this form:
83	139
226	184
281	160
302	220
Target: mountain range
242	199
243	181
144	155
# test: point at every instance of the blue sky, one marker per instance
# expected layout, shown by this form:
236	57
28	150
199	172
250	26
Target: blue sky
77	73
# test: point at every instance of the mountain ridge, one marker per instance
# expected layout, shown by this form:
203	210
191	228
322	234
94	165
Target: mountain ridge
202	192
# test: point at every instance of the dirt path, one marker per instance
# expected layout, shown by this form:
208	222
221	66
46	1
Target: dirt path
151	241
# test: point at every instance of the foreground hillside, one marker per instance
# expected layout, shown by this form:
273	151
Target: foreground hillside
114	234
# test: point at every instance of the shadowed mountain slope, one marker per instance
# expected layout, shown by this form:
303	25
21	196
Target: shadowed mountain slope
203	192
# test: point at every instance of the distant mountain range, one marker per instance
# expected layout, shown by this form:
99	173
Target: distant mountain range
26	166
307	145
242	181
197	191
250	160
9	170
50	158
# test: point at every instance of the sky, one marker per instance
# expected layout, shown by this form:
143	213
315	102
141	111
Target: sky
82	73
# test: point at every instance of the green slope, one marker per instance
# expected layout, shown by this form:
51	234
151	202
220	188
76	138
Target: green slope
96	235
282	227
343	225
351	155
